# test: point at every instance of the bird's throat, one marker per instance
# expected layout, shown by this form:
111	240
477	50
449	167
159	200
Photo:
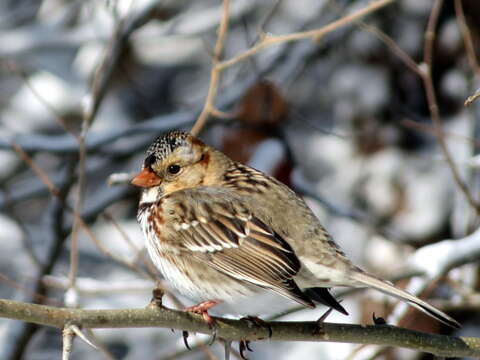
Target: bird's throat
150	195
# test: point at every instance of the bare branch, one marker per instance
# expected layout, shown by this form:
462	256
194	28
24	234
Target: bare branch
228	329
214	73
424	70
266	41
68	335
312	34
472	98
433	105
101	80
467	37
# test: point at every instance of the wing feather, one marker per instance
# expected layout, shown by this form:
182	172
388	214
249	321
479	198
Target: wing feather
227	237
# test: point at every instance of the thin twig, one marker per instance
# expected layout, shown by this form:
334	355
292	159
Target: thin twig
267	41
469	47
65	144
101	81
429	129
424	70
139	254
433	104
95	288
36	297
472	98
393	46
467	37
60	120
103	249
68	335
52	188
27	244
55	192
53	231
82	336
268	17
214	73
316	34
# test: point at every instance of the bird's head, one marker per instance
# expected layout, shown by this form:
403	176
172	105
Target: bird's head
174	161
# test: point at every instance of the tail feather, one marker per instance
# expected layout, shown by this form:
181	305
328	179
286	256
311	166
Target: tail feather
390	289
323	296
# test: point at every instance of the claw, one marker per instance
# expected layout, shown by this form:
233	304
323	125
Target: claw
214	336
185	339
378	320
242	345
241	349
256	321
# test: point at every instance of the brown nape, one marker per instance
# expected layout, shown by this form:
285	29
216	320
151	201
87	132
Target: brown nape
205	160
213	164
197	142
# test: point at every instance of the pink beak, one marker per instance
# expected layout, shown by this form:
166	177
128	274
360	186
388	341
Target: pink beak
146	178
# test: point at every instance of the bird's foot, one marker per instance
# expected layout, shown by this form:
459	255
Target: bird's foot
202	309
253	321
242	346
318	330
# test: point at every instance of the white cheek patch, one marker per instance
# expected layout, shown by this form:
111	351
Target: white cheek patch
150	195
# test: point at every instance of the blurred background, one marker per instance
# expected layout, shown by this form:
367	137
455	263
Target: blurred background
344	120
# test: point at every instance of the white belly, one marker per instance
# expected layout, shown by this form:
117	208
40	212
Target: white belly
196	284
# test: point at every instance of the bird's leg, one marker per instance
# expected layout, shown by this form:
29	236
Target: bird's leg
318	330
202	309
256	321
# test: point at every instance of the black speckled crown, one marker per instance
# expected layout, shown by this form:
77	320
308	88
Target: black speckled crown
164	145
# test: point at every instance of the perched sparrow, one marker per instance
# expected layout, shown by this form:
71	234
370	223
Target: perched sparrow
219	230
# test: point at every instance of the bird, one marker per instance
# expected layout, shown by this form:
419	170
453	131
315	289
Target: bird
219	231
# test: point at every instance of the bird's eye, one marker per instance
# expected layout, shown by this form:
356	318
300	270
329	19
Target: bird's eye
174	169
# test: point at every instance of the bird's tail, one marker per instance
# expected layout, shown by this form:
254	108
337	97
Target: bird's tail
387	288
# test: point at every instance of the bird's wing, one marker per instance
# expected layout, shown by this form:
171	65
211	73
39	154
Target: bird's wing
219	230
